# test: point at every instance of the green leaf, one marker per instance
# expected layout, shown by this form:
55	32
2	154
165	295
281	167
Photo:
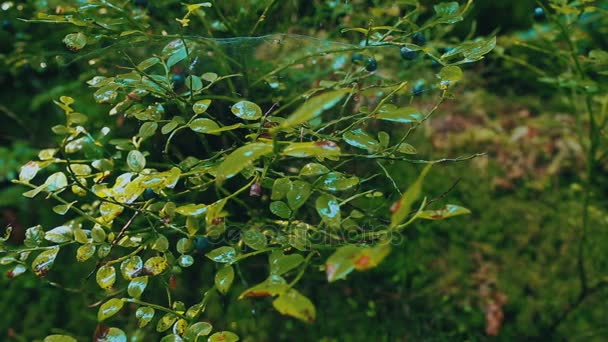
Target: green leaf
60	234
280	209
407	148
313	108
449	210
390	112
29	171
113	335
280	188
223	336
161	244
148	129
155	265
144	315
202	125
360	139
447	13
34	236
194	83
201	106
85	252
241	158
174	52
165	322
185	260
106	276
225	255
171	338
295	304
59	338
402	207
254	239
299	194
56	181
44	261
450	75
196	330
192	209
349	258
136	160
319	149
75	41
137	286
224	278
131	267
246	110
281	264
329	209
272	286
336	181
148	63
109	309
209	77
313	169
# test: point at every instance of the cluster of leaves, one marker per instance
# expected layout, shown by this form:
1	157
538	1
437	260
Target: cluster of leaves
179	175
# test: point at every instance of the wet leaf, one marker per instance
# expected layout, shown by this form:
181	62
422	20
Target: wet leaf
131	267
109	309
241	158
165	322
281	264
314	107
29	171
224	278
280	188
136	160
144	315
197	330
280	209
155	265
223	336
75	41
171	338
329	209
185	260
298	195
59	234
393	113
225	254
194	83
137	286
148	63
112	335
106	276
34	236
295	304
148	129
203	125
272	286
161	244
449	75
56	181
360	139
313	169
449	210
85	252
349	258
174	52
192	209
61	209
246	110
201	106
336	181
402	207
254	239
318	149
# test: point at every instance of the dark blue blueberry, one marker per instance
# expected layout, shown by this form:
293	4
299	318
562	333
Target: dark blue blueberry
539	13
371	64
418	89
408	54
201	244
356	57
178	80
149	194
7	25
419	39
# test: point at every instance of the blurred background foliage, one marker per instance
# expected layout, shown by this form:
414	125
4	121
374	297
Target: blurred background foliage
506	272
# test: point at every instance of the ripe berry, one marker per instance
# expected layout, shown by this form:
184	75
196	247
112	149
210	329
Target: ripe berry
178	80
408	54
356	57
419	39
418	89
371	64
539	13
7	25
201	244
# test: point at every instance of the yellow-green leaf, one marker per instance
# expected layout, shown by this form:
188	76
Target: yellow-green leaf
241	158
295	304
106	276
109	309
224	278
402	207
314	107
